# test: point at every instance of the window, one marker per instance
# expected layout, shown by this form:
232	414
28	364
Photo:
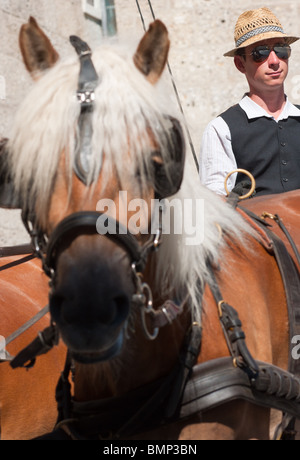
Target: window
92	8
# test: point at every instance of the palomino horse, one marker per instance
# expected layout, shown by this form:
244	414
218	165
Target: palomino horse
95	155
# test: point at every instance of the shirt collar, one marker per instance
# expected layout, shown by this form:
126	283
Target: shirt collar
253	110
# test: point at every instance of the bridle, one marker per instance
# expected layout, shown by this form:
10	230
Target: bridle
84	223
89	222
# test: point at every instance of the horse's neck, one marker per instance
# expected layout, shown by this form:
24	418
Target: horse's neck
250	281
94	381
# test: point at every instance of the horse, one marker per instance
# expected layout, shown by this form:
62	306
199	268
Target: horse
27	402
143	260
27	399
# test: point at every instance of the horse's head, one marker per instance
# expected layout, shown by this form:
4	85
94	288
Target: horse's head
92	147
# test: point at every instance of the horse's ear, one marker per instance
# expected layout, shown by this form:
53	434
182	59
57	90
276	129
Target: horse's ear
36	48
152	53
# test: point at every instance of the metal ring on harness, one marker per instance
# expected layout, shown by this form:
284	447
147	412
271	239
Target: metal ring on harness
247	173
146	309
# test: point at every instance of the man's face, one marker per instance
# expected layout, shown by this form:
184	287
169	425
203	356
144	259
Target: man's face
267	75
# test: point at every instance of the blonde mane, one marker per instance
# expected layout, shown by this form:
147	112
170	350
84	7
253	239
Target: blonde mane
126	106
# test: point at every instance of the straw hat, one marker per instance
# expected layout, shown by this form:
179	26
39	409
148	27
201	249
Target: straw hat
256	25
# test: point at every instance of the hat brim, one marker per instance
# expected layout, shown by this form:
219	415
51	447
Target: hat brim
259	38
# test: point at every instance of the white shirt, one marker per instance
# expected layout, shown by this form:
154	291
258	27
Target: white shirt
216	156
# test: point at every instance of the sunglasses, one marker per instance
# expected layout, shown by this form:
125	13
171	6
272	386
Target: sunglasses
261	53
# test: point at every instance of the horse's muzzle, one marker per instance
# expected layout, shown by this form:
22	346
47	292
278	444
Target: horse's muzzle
91	299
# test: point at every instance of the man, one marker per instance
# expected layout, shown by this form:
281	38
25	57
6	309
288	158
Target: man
262	133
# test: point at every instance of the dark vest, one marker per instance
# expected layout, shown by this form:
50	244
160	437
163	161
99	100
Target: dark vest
267	149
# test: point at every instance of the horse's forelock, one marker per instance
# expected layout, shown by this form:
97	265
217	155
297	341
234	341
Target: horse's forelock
46	121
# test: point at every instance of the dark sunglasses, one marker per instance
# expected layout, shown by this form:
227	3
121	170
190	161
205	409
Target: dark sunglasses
261	53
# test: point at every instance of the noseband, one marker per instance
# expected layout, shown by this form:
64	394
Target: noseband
89	222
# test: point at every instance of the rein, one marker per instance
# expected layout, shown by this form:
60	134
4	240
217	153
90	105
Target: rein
10	251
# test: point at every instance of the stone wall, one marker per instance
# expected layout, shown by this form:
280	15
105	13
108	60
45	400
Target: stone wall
59	19
200	31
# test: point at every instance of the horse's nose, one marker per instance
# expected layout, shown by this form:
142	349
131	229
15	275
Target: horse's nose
106	309
91	321
91	296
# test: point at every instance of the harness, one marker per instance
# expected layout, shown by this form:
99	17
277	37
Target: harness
189	388
196	387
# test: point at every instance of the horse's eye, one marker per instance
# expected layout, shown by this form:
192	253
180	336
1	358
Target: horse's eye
156	158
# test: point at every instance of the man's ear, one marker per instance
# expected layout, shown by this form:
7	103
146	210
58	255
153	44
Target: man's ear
240	63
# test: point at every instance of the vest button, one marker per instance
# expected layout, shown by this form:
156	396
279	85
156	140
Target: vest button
284	162
283	144
285	179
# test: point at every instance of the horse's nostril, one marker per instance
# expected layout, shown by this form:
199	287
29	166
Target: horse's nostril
122	304
90	323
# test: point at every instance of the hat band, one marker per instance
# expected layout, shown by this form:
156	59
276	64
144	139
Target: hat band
258	31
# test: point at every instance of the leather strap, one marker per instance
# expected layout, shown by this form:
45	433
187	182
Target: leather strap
88	80
233	332
217	381
291	280
18	250
84	222
41	345
88	77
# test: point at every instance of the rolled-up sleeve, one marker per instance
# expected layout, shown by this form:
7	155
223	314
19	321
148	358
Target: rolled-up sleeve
216	158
